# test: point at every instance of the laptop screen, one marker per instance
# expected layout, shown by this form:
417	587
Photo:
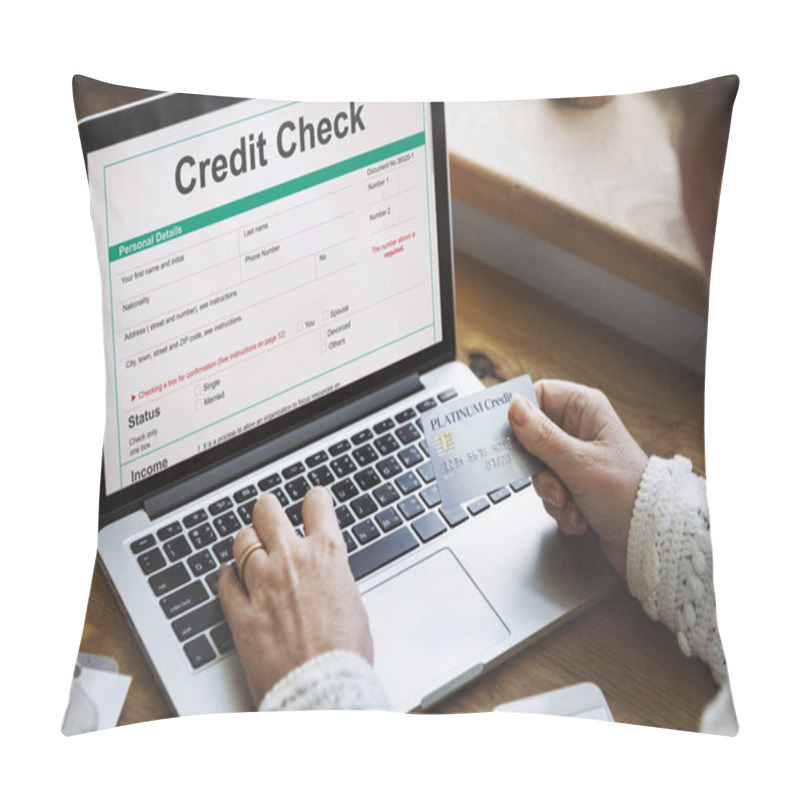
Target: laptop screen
258	260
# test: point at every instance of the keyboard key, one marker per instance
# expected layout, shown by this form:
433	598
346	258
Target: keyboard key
383	426
520	484
425	471
426	405
447	394
367	478
202	536
168	531
476	506
293	470
339	448
295	513
297	488
198	620
430	494
199	652
386	494
218	506
408	482
321	476
223	638
388	519
176	549
212	579
184	599
224	550
365	531
246	511
151	561
365	455
410	507
454	516
389	467
363	506
248	493
407	434
145	543
195	518
424	445
281	495
410	456
343	466
386	444
270	482
344	490
498	495
361	436
429	526
385	550
418	423
349	542
316	459
171	578
200	563
344	516
405	415
227	524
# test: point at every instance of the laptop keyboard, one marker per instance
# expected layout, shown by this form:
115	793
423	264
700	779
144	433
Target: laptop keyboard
386	501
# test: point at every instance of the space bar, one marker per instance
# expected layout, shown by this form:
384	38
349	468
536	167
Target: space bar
382	552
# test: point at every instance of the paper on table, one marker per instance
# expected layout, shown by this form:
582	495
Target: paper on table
583	700
96	700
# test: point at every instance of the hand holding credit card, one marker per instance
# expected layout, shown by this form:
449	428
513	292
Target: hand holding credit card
472	447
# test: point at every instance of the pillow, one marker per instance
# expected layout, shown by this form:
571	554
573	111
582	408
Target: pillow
546	215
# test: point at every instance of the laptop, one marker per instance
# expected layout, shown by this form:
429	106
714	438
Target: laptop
279	310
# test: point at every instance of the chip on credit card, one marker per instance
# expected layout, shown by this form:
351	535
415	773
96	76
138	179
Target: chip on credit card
472	447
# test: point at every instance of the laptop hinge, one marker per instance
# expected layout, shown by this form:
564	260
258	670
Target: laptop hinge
198	485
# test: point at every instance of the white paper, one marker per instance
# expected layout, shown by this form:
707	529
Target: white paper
96	701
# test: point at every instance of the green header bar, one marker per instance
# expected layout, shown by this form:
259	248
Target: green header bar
244	204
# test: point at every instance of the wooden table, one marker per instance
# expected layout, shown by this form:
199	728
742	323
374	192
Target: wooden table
506	329
607	184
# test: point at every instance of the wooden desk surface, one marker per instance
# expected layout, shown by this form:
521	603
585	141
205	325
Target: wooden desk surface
506	329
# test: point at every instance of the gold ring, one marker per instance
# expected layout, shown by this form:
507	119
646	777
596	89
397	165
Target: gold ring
247	553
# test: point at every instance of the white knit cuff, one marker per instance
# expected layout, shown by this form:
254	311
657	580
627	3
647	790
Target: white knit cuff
338	679
669	565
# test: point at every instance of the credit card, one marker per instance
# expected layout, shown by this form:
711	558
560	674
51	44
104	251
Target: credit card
472	447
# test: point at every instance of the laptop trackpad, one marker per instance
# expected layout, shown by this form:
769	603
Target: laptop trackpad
429	625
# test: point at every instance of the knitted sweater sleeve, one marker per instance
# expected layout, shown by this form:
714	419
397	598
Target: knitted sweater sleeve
334	680
669	558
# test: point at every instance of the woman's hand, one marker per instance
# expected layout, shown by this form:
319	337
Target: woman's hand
595	466
296	598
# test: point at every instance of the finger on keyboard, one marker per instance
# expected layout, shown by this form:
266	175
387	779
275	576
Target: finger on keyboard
271	523
319	518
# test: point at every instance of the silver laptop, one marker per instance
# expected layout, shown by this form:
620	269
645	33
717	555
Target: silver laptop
278	312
